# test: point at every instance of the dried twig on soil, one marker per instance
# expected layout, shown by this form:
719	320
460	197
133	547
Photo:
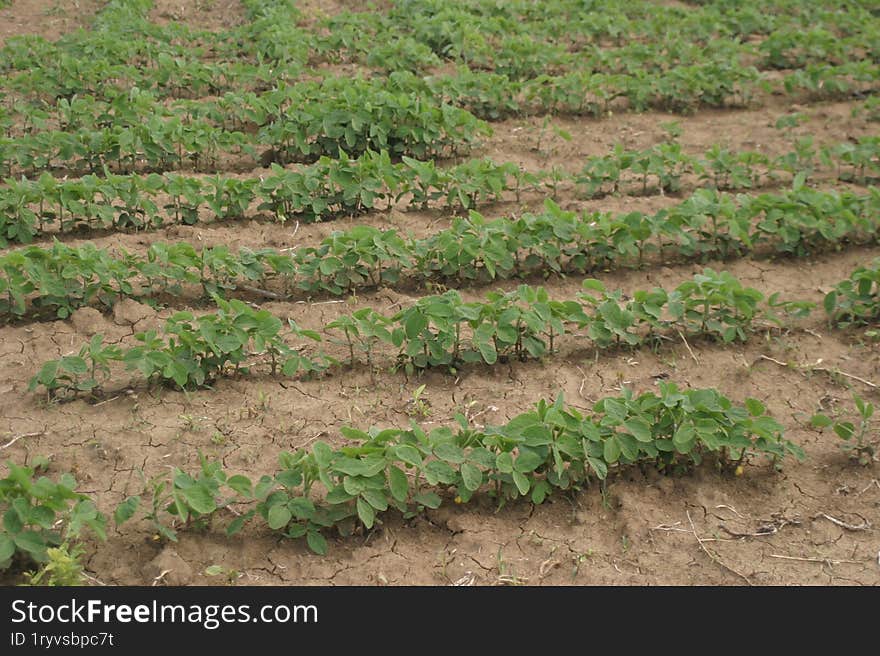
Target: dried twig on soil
583	382
816	368
669	527
20	437
688	346
713	557
864	526
93	579
768	527
264	292
824	561
112	398
730	508
547	566
161	576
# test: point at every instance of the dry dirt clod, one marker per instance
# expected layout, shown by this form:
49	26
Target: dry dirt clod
128	312
168	568
88	321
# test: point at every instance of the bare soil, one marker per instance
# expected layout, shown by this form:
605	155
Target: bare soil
46	18
211	15
794	526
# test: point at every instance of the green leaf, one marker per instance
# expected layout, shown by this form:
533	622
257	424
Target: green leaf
522	482
844	430
639	428
238	523
200	499
472	476
485	344
414	325
7	548
323	454
527	461
599	466
540	492
684	438
31	542
504	462
408	455
375	498
820	421
126	510
428	499
241	484
398	483
755	407
830	302
438	471
611	450
449	453
316	542
366	512
301	508
279	516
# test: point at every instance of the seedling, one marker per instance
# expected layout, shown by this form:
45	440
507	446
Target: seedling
860	439
417	406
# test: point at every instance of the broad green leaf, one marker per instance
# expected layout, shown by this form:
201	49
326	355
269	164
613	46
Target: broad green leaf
504	462
7	548
755	407
375	498
200	499
279	516
398	483
521	481
126	510
472	476
428	499
611	450
639	428
316	542
366	512
820	421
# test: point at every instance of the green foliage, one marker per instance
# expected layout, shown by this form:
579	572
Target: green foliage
436	331
856	300
327	188
551	448
192	352
39	514
707	224
63	568
857	437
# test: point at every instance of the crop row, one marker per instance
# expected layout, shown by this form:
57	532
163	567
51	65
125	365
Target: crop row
437	331
351	185
60	279
550	448
516	41
301	123
664	165
402	113
856	300
311	193
522	40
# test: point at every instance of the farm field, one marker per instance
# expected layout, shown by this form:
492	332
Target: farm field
439	292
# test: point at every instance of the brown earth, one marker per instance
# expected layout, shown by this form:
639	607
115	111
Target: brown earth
810	523
211	15
46	18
